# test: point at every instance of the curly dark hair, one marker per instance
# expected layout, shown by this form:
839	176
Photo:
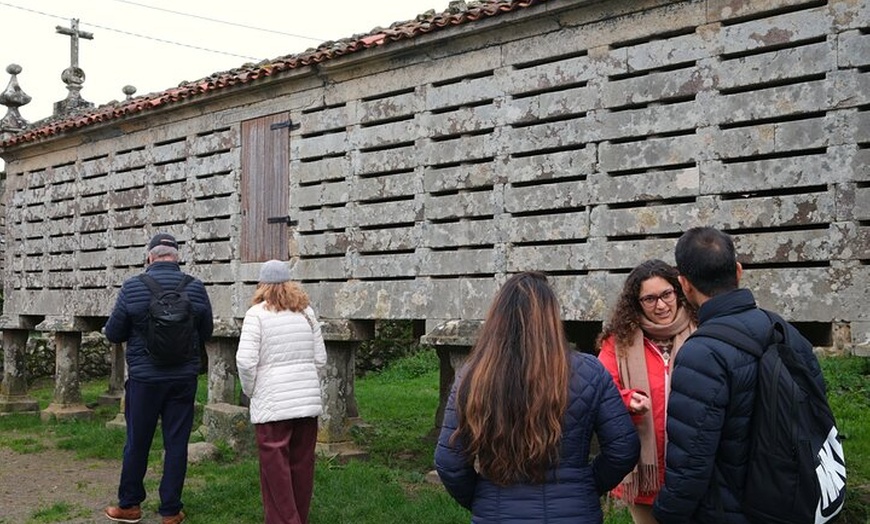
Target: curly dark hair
626	314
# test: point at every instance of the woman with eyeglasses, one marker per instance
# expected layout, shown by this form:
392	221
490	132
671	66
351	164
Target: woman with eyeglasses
649	323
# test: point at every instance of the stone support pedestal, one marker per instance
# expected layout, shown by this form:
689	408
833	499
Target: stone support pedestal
115	390
339	402
67	402
231	424
120	420
452	341
222	370
13	389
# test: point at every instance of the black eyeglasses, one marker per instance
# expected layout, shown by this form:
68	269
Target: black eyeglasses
668	296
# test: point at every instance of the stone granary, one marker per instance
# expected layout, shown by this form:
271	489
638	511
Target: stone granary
405	172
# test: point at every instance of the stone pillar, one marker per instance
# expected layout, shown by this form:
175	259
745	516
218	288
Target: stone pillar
222	418
120	420
339	402
452	341
222	370
67	402
13	389
860	338
115	390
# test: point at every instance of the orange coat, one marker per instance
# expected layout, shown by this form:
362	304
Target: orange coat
659	382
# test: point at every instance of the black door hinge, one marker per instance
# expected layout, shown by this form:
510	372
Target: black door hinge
282	220
288	123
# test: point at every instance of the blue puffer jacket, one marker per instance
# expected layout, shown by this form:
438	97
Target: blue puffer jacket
712	392
573	489
128	322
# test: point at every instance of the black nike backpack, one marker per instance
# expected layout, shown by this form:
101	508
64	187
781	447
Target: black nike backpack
796	472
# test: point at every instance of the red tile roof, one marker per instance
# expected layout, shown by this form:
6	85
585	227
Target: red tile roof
456	14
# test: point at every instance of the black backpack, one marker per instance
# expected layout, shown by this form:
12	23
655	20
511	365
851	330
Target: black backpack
796	471
170	332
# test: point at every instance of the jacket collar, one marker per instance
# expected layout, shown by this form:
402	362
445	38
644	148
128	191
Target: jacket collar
163	266
729	303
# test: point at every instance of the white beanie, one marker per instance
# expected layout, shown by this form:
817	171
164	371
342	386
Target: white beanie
274	272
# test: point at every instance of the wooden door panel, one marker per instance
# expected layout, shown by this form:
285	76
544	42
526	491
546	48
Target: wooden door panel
265	185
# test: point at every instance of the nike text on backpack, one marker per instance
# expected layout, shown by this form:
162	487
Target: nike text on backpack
796	470
170	332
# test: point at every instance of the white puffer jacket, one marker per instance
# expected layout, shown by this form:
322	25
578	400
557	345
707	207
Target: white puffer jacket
278	360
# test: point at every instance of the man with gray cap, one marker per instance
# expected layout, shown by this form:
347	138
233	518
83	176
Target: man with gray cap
154	390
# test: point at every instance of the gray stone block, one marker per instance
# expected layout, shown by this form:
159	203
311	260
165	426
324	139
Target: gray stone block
777	65
231	425
460	234
552	166
776	30
773	102
381	187
678	84
387	160
548	228
322	169
384	134
466	176
653	152
776	211
389	108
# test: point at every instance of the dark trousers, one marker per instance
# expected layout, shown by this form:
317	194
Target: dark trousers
145	402
287	468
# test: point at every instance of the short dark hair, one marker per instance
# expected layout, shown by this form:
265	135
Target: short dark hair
706	257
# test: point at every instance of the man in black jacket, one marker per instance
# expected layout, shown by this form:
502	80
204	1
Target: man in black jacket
155	391
713	388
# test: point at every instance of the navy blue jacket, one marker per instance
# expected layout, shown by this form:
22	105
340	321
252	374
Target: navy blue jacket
129	319
573	488
709	408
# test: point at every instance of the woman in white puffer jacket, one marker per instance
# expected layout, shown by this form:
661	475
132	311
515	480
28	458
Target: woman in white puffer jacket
281	352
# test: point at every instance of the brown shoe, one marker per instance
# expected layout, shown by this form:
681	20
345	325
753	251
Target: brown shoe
132	514
174	519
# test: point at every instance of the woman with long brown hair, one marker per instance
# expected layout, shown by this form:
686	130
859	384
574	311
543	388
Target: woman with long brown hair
280	353
649	323
515	441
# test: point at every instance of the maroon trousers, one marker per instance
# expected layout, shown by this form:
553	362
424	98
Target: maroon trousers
287	468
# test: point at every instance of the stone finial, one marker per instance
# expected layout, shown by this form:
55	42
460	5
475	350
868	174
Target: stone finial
129	91
73	76
13	98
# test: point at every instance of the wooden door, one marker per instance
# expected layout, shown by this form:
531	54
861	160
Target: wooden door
265	188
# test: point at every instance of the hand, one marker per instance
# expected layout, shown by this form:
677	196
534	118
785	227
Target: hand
639	403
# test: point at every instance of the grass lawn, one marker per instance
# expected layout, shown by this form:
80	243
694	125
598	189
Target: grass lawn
398	407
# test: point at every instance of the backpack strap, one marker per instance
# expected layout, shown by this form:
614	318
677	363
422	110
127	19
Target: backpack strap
183	284
310	322
153	286
730	335
157	289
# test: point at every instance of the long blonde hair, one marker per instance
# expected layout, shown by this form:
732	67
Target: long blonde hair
282	296
514	392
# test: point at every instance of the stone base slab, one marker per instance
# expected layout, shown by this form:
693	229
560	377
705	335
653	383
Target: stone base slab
66	412
341	451
19	405
119	422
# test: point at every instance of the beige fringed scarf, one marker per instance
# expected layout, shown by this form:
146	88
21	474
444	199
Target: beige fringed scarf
633	375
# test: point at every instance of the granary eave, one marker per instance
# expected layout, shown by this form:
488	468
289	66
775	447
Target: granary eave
399	36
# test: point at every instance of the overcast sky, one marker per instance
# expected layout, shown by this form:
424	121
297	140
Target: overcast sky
154	45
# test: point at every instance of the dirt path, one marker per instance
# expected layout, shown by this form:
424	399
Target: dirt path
37	481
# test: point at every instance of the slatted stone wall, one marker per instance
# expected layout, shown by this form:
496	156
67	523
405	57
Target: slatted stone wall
78	228
587	141
574	137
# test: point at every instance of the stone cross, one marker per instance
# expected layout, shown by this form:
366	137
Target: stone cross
73	76
74	35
